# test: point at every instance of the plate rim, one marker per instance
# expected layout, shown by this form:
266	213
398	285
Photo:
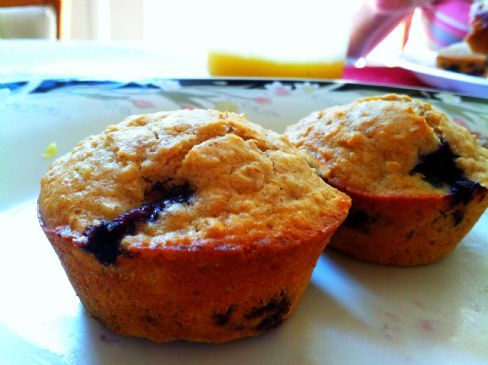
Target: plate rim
35	86
408	62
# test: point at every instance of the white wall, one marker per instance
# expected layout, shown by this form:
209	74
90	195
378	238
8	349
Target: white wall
107	20
302	28
126	19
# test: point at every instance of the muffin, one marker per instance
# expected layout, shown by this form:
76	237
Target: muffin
191	225
458	57
417	180
470	56
478	36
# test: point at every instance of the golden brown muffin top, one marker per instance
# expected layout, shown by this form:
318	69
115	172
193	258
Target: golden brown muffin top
246	181
381	144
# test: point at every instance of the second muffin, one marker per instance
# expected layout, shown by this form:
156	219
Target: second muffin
417	180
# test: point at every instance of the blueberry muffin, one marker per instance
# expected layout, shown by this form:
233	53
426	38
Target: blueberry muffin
459	57
470	56
417	180
478	36
193	225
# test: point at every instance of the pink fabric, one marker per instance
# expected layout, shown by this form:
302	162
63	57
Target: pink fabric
445	22
383	75
397	6
456	10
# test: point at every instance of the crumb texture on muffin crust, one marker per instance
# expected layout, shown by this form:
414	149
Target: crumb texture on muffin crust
376	145
246	181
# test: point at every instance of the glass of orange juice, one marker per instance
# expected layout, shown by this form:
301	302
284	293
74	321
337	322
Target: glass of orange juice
299	39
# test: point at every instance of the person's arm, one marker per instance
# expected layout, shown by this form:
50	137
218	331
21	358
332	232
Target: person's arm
374	20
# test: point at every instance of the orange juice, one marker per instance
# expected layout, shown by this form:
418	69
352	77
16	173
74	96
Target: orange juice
235	64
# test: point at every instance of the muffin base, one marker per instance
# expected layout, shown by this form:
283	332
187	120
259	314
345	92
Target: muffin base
406	231
204	294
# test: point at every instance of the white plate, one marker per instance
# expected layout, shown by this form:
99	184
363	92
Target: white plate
423	65
352	312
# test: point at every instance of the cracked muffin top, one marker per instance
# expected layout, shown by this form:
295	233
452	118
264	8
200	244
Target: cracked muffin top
392	145
189	178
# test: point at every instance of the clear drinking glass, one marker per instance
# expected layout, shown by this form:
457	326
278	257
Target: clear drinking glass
306	38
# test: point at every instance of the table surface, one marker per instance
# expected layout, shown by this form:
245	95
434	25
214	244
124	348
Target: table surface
434	314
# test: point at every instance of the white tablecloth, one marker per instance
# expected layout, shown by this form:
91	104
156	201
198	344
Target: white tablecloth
29	59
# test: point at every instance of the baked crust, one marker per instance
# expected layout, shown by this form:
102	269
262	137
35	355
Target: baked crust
227	257
406	230
205	295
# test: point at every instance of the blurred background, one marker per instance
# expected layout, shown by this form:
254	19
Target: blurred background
185	31
134	39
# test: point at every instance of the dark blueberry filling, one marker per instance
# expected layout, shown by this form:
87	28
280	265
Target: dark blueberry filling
103	240
452	67
439	168
457	217
471	69
150	320
476	72
358	219
272	314
222	319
